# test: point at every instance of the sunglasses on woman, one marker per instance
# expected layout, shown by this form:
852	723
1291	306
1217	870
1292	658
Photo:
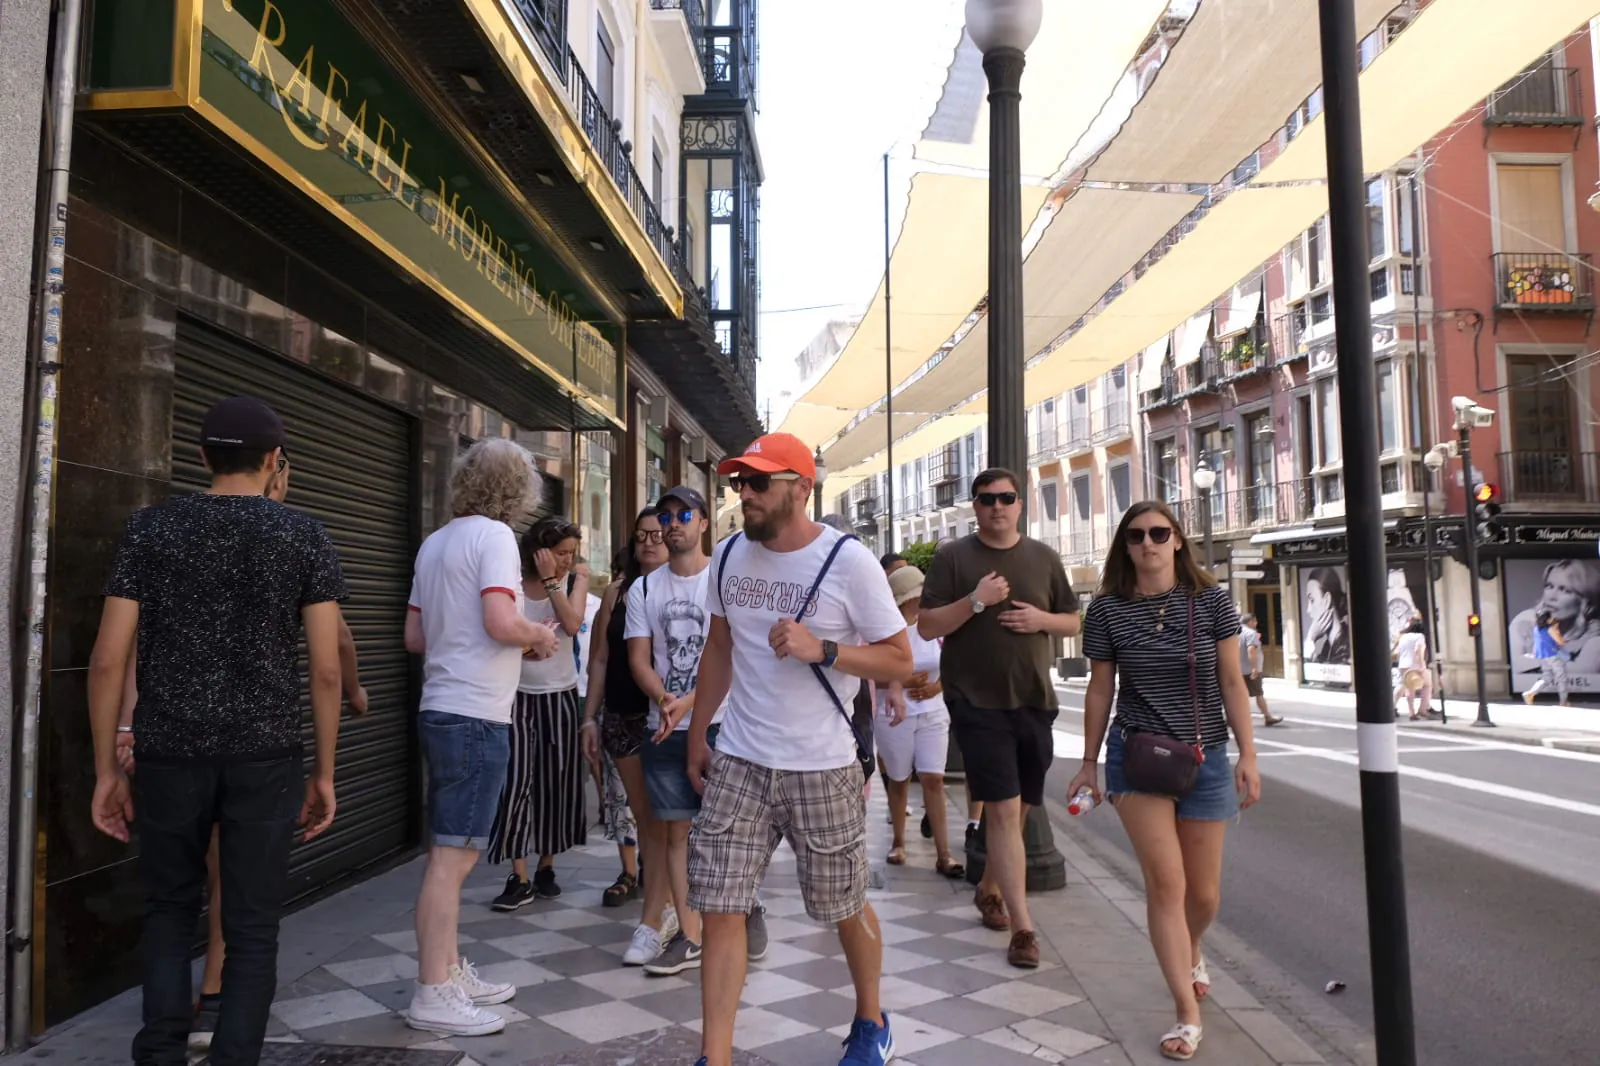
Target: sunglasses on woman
1001	499
647	536
758	483
1158	534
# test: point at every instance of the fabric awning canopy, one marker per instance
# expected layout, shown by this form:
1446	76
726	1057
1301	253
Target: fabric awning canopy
1149	379
1190	338
1244	303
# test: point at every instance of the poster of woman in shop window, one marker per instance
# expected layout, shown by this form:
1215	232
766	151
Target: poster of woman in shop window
1568	590
1325	618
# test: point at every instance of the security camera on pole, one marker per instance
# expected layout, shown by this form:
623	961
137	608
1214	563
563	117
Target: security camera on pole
1481	511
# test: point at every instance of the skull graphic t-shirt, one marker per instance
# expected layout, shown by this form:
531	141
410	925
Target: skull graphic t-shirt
671	611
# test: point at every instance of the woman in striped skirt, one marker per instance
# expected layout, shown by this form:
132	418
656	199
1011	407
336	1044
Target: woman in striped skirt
541	809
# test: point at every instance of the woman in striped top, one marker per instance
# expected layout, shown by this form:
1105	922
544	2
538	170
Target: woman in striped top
1156	607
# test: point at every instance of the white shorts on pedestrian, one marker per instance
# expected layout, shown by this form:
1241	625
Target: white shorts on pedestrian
921	743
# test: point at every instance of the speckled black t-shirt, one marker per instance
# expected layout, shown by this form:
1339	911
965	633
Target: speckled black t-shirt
220	582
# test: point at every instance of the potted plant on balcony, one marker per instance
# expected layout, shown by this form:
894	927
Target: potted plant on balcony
1240	356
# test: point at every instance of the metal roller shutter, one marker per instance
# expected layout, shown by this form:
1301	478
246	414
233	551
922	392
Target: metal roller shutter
351	469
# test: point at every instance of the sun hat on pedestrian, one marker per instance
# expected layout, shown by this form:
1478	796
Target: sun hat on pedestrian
906	584
776	453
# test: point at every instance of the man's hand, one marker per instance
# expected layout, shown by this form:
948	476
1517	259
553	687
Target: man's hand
992	589
792	640
1024	618
544	644
358	702
699	763
672	712
112	808
316	814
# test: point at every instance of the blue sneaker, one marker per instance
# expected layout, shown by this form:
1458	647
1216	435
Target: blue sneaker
868	1044
701	1061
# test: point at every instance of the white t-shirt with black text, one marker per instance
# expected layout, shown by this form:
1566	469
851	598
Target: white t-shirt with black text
465	671
670	610
777	714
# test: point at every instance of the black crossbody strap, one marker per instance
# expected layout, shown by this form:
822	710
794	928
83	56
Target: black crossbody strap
722	567
816	669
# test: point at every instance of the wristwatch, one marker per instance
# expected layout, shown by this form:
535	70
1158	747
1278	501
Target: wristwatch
977	604
830	654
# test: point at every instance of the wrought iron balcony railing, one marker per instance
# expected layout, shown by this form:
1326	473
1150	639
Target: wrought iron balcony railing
1548	475
694	13
1544	96
1113	421
1540	281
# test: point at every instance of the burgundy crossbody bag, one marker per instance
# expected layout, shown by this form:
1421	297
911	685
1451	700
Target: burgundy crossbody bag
1167	766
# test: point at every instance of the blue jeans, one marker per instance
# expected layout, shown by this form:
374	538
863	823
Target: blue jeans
255	806
466	760
1213	798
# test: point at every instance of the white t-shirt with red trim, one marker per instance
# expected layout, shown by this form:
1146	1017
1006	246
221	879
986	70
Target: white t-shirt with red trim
466	671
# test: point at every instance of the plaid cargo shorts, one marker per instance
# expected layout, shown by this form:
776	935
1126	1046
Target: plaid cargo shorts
747	809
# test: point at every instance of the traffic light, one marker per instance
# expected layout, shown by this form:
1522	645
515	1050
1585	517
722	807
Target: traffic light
1474	623
1485	509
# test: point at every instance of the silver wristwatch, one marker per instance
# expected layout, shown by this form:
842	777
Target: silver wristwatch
977	604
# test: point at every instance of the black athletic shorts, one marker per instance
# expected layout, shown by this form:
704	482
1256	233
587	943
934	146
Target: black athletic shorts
1006	753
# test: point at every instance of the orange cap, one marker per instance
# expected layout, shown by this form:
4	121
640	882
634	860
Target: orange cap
776	453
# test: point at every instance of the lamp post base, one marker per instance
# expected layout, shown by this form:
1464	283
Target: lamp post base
1047	870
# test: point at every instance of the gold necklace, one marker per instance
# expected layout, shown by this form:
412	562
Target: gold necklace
1161	615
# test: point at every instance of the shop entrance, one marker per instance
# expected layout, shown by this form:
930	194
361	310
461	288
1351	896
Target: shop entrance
1266	603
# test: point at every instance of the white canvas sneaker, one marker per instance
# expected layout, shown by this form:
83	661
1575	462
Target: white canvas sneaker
447	1011
483	993
645	947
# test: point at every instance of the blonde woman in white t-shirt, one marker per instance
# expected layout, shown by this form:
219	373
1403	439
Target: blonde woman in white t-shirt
912	731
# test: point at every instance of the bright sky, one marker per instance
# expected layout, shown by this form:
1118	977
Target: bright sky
842	81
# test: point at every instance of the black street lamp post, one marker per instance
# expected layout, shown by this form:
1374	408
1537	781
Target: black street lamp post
1205	478
1432	463
1002	31
1464	427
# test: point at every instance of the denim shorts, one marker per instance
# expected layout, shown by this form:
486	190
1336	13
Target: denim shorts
666	775
1213	798
466	760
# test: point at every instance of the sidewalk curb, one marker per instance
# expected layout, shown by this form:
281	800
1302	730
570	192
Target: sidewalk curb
1266	998
1584	745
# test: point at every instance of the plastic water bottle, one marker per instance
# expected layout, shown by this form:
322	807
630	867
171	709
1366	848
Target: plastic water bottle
1082	803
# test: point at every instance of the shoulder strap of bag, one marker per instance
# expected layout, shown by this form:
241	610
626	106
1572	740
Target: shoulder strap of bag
722	566
1194	686
816	668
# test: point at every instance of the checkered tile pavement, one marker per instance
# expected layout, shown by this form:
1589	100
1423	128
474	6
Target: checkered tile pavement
951	995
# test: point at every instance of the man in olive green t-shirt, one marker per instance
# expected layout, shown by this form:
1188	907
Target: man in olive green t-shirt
1001	602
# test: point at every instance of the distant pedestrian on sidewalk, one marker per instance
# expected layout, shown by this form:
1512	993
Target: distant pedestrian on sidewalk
465	619
214	588
1250	661
1416	673
912	732
542	806
1162	634
1001	603
799	615
1549	648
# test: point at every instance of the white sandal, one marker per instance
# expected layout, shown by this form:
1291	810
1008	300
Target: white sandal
1188	1036
1201	976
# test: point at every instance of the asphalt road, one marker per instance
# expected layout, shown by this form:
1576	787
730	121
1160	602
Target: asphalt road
1502	856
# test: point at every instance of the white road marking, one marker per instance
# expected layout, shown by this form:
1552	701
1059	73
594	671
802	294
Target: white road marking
1488	788
1437	737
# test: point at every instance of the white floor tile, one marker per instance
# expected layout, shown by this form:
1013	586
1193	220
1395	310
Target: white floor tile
762	988
533	945
756	1028
565	919
898	994
780	954
326	1008
378	971
630	983
1019	998
605	1021
519	972
994	963
1064	1039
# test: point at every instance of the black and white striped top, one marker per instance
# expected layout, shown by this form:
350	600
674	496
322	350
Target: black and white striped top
1148	639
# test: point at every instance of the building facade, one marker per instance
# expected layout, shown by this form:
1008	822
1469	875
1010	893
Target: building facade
408	227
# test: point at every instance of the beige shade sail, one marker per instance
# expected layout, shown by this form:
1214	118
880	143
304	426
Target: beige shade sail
1237	72
1452	56
935	434
1073	65
868	437
1094	239
1244	303
939	272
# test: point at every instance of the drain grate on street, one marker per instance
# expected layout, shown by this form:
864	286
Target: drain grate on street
274	1054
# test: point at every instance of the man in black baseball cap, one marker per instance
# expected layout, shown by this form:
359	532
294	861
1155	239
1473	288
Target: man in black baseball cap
215	587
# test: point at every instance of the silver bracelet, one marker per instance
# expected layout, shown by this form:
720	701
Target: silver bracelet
125	729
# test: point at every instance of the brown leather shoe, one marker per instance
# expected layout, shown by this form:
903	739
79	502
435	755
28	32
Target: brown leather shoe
1024	950
993	909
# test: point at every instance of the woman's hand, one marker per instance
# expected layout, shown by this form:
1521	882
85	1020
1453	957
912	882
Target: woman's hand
1087	777
1247	780
589	737
923	693
125	753
544	561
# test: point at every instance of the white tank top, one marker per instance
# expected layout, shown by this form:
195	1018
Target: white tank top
557	673
924	660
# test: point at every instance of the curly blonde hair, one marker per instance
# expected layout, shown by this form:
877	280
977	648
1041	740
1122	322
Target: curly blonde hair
495	478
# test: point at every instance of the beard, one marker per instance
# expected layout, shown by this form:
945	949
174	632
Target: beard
773	522
681	543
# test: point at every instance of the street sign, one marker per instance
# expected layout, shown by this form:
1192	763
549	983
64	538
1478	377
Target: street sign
1247	558
1249	575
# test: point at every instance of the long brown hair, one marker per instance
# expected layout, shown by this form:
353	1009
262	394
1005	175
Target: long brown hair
1119	578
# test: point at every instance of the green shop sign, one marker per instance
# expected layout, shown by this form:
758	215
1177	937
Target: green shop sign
305	93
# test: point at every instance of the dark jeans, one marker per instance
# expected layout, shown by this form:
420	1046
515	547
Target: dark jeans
255	805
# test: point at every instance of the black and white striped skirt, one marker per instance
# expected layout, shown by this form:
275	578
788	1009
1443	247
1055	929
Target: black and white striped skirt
542	806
